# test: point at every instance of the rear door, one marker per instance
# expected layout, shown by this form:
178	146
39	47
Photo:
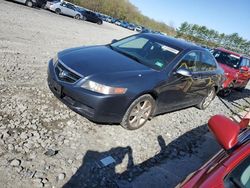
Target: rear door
71	10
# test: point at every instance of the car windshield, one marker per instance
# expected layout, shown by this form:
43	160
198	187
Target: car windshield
147	51
227	58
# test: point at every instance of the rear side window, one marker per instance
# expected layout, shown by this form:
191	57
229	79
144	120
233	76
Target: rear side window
190	61
245	62
207	61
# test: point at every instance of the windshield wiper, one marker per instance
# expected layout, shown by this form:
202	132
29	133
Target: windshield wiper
128	55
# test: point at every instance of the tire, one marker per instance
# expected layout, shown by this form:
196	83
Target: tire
138	112
206	101
225	92
84	18
77	17
58	11
99	22
29	3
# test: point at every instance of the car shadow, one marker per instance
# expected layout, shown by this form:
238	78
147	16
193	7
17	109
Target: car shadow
237	95
232	100
93	173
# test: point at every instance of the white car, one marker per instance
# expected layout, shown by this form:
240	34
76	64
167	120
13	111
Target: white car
118	22
50	2
29	3
66	9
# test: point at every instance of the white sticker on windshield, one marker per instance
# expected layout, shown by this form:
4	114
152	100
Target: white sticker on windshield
167	48
237	57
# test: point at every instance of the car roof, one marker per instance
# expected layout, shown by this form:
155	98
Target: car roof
176	42
228	51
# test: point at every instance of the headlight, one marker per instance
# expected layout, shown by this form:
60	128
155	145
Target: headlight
55	59
100	88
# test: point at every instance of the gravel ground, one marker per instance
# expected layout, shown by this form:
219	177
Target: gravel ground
45	144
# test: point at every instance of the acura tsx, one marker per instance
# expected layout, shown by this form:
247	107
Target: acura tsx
135	78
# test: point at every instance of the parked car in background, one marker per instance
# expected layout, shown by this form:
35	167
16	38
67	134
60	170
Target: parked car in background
66	8
230	167
89	16
131	26
118	22
236	67
29	3
134	79
138	28
124	24
109	19
50	2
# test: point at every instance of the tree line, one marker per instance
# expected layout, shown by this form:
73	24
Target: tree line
124	10
212	38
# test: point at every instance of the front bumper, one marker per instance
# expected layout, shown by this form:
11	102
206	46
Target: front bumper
94	106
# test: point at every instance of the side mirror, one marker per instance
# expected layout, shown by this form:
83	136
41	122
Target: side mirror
184	72
244	68
113	41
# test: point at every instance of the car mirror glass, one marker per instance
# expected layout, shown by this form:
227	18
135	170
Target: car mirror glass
184	72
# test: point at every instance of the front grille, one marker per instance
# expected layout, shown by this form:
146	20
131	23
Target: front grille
63	73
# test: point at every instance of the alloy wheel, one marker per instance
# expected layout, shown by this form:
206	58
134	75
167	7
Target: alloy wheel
209	98
140	113
29	4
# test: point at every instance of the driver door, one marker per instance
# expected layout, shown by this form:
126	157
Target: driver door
182	91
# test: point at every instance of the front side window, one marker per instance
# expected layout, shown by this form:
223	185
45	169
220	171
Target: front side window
146	50
240	176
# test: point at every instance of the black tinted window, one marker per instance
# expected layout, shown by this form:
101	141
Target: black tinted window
226	58
190	61
240	176
207	62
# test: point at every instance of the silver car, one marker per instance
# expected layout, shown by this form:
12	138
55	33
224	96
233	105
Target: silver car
66	9
29	3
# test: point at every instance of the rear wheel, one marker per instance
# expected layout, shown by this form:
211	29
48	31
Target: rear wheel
207	100
58	11
226	91
77	16
138	112
99	22
29	3
84	18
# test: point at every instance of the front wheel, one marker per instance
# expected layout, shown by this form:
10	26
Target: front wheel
84	18
29	3
58	11
207	100
138	112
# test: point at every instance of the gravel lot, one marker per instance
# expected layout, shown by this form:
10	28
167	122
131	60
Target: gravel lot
43	143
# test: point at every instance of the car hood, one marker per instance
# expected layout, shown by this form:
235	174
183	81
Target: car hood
96	60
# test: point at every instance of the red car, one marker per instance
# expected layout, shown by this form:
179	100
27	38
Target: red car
236	68
230	167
